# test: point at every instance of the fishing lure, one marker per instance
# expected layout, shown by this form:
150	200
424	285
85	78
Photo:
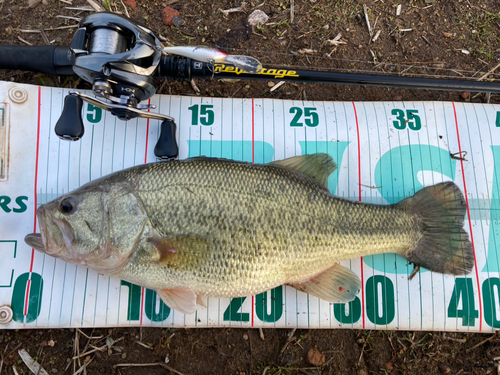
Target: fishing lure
247	64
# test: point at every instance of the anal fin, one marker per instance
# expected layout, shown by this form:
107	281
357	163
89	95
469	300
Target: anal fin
336	284
182	300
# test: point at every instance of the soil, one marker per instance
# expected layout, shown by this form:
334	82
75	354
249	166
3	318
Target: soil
452	39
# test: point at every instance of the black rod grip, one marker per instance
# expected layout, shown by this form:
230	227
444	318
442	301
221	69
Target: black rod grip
70	125
54	60
166	147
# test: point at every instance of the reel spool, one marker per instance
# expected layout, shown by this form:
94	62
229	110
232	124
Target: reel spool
118	57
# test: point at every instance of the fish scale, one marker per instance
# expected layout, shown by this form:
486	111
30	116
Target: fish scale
281	234
220	228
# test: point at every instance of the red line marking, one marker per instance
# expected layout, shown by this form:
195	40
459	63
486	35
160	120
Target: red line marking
145	161
253	304
27	299
470	224
35	200
253	161
253	132
359	183
142	304
147	136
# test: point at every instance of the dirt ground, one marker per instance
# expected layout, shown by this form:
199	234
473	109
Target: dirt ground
449	38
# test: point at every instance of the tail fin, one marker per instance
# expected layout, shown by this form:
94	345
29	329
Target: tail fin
444	246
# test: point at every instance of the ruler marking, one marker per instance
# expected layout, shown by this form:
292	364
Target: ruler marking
470	223
359	185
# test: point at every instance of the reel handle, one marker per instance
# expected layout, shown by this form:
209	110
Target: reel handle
69	127
166	148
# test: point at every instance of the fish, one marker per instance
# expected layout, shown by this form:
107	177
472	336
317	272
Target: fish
247	64
205	227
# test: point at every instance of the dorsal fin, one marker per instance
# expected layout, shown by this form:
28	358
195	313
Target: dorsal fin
317	166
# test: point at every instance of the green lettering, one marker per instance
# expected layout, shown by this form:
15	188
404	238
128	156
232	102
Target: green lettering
232	314
21	205
298	114
276	305
34	302
340	313
134	300
94	114
464	291
150	308
491	301
4	202
385	298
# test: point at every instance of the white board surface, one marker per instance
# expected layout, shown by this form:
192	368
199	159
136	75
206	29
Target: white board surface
386	151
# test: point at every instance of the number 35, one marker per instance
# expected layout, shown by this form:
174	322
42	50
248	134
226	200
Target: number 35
402	121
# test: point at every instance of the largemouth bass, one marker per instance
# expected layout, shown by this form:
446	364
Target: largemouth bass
219	228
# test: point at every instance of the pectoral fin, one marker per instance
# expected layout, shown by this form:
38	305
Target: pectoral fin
182	300
184	252
337	284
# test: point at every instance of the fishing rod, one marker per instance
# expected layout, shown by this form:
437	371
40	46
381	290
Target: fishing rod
121	60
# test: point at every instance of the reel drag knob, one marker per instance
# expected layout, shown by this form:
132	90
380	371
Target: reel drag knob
69	127
166	147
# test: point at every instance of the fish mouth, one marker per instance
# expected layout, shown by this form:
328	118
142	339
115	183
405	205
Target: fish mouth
43	243
37	240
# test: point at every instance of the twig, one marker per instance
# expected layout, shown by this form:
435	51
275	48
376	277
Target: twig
367	21
193	85
83	9
261	332
124	7
426	40
164	365
462	341
83	368
143	345
96	349
44	37
49	29
24	41
89	337
34	367
374	39
288	341
265	370
292	10
491	71
482	342
14	369
279	84
96	6
363	349
77	19
241	8
336	41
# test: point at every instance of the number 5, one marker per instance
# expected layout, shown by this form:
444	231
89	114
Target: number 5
411	114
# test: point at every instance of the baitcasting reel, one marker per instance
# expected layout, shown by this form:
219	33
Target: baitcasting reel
119	58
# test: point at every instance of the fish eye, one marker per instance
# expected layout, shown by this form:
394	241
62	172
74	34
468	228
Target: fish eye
67	205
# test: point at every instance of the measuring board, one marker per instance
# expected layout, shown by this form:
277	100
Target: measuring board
385	151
